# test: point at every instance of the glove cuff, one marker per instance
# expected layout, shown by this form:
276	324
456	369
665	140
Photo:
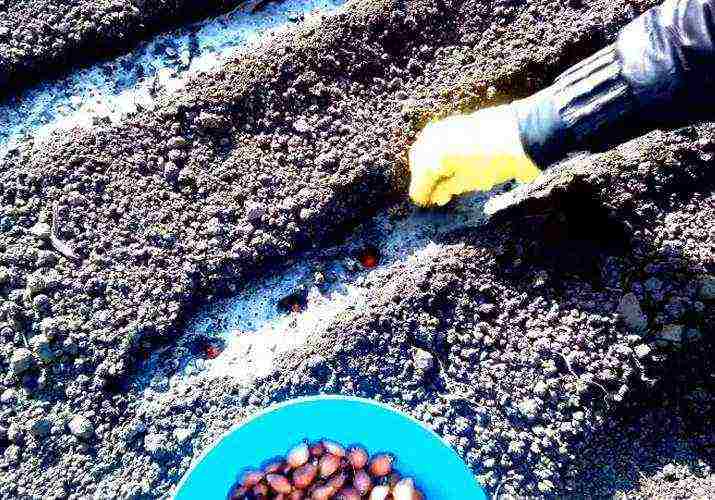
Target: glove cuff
582	102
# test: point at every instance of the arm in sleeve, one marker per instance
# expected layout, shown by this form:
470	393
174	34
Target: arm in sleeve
660	71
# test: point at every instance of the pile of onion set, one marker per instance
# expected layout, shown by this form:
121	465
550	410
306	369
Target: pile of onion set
327	470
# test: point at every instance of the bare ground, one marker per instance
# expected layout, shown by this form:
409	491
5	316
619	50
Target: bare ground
287	149
41	37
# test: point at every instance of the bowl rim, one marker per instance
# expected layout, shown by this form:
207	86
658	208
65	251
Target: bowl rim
308	399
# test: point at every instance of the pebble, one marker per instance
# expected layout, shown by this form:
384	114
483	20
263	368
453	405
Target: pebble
177	142
171	171
50	327
641	350
630	310
41	346
4	276
14	434
307	213
424	361
486	309
41	427
185	175
45	258
207	121
669	471
672	333
36	283
408	107
12	454
69	346
300	125
182	434
540	388
154	444
40	303
254	211
529	408
175	155
81	427
9	396
41	230
545	486
706	290
21	360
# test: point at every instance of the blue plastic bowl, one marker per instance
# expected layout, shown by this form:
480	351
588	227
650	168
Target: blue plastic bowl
420	453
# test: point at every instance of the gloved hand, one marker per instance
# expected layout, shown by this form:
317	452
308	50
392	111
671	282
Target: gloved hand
467	153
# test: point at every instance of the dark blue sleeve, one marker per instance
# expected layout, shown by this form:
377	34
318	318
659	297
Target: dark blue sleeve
660	72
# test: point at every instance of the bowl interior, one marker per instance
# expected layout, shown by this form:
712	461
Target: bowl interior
420	453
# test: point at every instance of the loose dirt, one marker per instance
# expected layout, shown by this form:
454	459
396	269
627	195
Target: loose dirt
42	37
525	363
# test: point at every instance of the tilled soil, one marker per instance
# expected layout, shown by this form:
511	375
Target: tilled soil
112	236
39	37
658	452
519	319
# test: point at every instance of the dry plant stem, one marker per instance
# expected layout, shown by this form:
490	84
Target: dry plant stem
496	492
572	372
57	243
451	383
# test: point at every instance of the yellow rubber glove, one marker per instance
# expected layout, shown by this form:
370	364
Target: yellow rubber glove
466	153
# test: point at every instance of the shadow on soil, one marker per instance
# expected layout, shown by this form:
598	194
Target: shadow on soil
672	422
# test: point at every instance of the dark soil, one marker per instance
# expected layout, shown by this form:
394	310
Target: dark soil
287	149
42	37
532	361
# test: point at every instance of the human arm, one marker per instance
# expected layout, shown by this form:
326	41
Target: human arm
659	72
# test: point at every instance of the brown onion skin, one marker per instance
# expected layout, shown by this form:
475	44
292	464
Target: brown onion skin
239	492
348	494
362	482
334	448
260	489
279	483
317	449
358	457
337	481
273	467
381	465
298	455
329	464
304	475
251	478
326	471
381	492
322	493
